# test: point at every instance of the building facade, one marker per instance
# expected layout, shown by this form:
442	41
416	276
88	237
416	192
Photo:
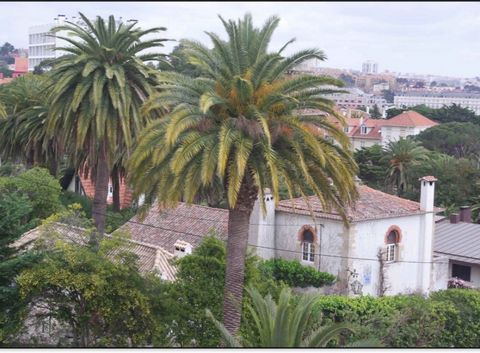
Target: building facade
438	100
369	67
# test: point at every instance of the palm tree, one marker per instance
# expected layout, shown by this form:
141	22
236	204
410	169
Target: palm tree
286	324
238	128
402	155
23	132
100	85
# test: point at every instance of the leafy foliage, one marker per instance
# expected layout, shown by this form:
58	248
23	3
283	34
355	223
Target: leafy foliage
372	168
459	140
284	324
294	274
95	291
199	285
447	319
402	156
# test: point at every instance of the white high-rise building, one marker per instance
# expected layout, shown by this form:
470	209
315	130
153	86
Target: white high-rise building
370	67
42	42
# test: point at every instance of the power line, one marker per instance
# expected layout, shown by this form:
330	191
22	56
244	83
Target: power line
264	247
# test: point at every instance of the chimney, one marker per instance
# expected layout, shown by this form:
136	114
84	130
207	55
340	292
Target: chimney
427	193
465	214
454	218
262	226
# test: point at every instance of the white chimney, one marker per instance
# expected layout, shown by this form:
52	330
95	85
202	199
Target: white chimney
182	248
262	226
427	193
424	272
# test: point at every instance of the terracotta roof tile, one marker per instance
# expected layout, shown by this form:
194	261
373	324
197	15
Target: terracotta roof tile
372	204
409	118
164	228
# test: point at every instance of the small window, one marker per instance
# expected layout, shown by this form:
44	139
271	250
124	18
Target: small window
363	130
392	242
345	129
308	248
461	272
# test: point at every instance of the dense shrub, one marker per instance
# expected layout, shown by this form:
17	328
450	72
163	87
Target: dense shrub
448	318
69	198
294	274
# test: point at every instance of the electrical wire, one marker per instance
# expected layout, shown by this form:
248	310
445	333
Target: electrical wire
254	245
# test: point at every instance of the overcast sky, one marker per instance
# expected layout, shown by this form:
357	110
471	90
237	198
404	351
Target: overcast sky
428	38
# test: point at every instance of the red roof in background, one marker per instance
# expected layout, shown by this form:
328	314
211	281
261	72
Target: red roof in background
409	118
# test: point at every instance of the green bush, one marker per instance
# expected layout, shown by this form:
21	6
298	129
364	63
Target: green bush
448	318
69	198
294	274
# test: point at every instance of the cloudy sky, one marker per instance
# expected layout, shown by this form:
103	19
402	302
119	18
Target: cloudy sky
428	37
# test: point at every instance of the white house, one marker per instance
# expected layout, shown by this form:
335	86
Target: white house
386	250
369	132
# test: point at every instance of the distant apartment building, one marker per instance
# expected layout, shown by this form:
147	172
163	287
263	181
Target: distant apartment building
42	42
356	98
369	67
438	100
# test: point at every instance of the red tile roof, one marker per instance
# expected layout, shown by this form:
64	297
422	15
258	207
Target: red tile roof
189	223
372	204
409	118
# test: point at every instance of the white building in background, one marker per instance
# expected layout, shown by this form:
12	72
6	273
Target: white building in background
355	98
370	67
438	100
42	41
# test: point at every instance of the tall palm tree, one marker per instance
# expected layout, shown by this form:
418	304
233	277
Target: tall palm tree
238	128
402	155
286	324
100	85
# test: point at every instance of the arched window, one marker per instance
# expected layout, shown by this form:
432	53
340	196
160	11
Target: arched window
392	242
308	248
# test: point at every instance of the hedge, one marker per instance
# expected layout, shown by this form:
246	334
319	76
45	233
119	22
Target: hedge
449	318
294	274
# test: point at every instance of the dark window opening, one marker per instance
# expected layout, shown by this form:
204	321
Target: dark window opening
462	272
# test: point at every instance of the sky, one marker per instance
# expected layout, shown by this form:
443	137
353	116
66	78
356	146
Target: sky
441	38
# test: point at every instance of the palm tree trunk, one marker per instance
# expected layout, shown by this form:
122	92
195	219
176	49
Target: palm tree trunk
116	188
99	207
238	224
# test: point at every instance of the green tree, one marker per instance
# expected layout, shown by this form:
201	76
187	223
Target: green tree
199	285
460	140
236	130
16	210
375	113
456	113
99	87
97	292
284	324
402	155
372	168
392	112
42	189
23	133
178	62
6	49
388	95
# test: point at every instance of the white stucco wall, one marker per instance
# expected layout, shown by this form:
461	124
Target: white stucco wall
395	133
358	143
401	277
